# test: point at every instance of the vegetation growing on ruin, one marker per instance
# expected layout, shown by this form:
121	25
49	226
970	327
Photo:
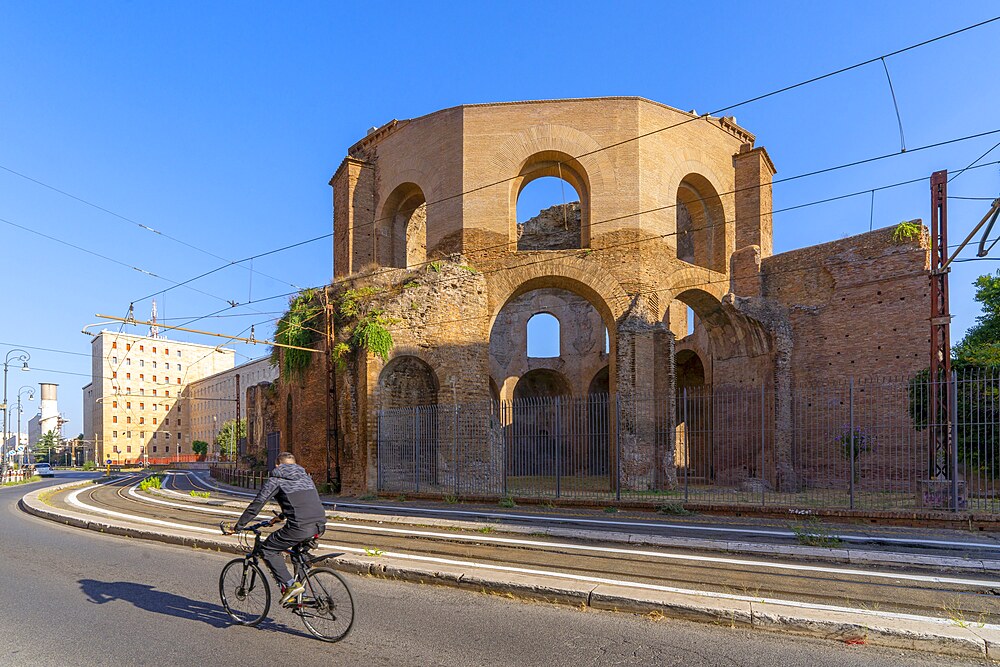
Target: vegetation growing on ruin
908	230
366	325
297	327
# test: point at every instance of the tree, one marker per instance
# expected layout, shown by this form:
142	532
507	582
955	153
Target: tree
981	345
43	448
975	360
225	440
199	447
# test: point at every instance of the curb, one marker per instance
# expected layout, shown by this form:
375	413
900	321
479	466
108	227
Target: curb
937	637
826	555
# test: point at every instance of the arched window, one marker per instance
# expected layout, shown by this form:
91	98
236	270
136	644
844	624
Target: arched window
401	239
548	215
701	224
543	336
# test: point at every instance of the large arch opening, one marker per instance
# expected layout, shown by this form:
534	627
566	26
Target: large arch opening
701	224
408	429
402	228
550	203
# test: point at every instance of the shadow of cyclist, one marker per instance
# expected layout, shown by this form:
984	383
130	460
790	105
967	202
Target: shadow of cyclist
149	598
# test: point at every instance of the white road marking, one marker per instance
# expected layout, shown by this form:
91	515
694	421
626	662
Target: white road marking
644	524
567	575
610	550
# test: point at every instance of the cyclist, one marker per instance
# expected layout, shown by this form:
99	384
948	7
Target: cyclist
302	511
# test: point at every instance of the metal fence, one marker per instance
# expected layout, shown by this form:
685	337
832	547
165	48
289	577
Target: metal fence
857	444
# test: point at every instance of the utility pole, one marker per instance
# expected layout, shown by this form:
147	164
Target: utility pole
332	406
939	415
237	428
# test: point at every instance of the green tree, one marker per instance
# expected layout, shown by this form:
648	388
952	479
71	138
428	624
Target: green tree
200	447
981	345
226	441
974	359
42	449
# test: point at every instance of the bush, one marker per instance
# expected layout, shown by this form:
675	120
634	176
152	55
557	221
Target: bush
151	482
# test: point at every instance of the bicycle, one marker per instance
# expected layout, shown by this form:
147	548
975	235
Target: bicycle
326	607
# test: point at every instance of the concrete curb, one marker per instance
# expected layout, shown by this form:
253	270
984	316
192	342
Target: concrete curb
861	557
945	637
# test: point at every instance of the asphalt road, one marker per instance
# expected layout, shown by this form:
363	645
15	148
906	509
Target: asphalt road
81	598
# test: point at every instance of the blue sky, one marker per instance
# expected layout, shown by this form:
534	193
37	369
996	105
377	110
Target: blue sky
220	124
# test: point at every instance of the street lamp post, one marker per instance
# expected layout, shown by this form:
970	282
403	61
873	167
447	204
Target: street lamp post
23	357
31	397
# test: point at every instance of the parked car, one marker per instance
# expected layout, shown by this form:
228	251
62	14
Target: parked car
43	470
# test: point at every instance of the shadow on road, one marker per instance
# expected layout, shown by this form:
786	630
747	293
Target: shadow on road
149	598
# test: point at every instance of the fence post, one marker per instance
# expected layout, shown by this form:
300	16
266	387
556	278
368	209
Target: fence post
850	397
687	445
416	449
953	437
559	444
618	447
763	439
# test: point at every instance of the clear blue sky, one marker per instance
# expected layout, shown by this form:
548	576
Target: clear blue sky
221	123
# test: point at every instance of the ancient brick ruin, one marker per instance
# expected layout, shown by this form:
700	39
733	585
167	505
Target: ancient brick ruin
672	227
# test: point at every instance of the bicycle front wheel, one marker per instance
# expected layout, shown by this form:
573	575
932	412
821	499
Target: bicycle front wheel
245	593
326	606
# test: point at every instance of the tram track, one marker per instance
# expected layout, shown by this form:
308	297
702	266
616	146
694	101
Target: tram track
892	591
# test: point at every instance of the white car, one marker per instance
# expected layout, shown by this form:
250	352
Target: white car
43	470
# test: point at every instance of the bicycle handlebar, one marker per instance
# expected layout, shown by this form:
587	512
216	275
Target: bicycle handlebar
228	528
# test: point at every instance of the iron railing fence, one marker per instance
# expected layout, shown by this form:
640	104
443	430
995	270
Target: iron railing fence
856	444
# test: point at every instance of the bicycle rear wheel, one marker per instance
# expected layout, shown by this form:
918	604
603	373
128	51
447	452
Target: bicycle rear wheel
245	593
326	606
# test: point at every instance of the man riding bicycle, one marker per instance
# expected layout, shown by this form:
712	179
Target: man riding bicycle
302	511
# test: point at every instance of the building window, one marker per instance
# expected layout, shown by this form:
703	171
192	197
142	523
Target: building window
178	366
141	377
116	449
154	363
128	420
167	449
142	392
155	407
114	360
128	346
178	380
128	434
154	392
154	438
154	446
154	378
128	362
167	435
128	376
178	439
142	420
142	434
166	393
114	419
178	353
154	418
142	406
166	350
167	365
114	345
114	434
178	423
167	379
128	449
141	348
114	404
178	409
114	374
142	363
128	405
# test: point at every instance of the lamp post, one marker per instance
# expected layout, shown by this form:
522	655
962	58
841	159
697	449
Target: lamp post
31	397
23	357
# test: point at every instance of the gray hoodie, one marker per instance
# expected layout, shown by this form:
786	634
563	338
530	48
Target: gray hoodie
295	492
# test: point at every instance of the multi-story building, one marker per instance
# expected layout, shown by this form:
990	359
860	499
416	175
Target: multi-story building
135	398
213	399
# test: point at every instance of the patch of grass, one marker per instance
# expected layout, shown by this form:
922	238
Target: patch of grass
812	533
485	530
33	478
549	505
368	496
434	266
507	502
373	551
451	500
470	269
674	509
201	494
151	482
410	284
611	510
401	498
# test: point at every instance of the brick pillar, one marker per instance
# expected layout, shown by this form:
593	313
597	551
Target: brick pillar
353	217
754	171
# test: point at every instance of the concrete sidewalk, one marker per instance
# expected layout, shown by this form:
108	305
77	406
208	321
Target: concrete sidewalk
931	549
940	635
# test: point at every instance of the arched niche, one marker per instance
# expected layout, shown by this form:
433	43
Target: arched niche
401	238
405	382
700	224
561	166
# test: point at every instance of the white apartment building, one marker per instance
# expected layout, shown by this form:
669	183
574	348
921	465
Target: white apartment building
213	399
134	406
